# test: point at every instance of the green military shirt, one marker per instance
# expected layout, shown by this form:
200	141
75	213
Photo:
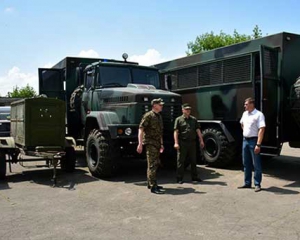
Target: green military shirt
186	127
153	128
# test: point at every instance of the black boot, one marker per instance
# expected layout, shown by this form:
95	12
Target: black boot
159	187
179	180
155	190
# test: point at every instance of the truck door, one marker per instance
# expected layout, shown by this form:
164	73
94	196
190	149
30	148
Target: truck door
51	82
87	95
269	99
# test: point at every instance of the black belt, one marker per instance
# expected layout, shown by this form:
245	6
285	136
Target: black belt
250	138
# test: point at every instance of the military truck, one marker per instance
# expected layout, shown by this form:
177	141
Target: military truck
37	133
105	101
217	82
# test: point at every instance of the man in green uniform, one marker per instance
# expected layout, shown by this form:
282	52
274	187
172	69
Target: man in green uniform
186	130
150	136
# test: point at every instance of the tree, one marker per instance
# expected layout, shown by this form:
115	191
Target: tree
210	40
24	92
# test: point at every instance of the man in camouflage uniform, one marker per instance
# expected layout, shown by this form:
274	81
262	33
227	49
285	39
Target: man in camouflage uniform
150	136
186	129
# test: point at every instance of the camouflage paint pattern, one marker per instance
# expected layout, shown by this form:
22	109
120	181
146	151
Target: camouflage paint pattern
272	69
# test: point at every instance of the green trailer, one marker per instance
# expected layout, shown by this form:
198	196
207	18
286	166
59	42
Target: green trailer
38	130
217	82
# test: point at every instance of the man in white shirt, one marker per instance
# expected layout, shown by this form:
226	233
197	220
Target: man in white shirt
253	125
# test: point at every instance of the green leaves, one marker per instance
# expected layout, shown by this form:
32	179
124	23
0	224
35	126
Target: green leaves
210	40
24	92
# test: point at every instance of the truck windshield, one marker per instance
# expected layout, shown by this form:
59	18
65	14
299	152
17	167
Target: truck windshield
114	76
4	116
111	76
145	76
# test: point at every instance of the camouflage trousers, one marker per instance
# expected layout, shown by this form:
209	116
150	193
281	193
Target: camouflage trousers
152	154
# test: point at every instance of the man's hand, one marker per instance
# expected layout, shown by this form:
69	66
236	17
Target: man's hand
176	146
202	144
161	150
139	148
257	150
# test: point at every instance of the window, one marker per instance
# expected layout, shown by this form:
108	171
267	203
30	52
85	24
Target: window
237	69
187	78
229	70
210	73
145	76
89	80
4	116
113	76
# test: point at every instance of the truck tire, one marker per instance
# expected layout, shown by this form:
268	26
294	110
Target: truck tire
101	153
68	162
2	164
218	152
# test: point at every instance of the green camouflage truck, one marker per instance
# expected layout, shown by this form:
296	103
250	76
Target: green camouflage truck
217	82
105	101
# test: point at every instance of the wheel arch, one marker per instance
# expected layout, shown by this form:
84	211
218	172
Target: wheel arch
101	120
221	126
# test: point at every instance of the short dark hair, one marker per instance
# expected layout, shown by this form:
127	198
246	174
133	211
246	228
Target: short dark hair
250	100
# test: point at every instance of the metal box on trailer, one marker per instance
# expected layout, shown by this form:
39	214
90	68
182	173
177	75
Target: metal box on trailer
38	122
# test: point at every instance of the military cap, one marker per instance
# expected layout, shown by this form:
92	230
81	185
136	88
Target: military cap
157	101
186	106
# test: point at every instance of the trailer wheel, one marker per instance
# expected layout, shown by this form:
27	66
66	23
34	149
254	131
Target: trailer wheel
101	154
68	162
2	164
218	152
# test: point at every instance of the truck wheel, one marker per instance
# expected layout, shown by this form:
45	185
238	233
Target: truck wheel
218	152
68	162
2	164
101	153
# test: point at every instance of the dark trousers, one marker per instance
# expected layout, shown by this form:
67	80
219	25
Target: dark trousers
187	151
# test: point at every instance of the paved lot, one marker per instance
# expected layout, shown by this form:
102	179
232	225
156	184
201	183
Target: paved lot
82	207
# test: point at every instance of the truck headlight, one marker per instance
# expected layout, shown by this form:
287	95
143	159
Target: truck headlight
128	131
146	99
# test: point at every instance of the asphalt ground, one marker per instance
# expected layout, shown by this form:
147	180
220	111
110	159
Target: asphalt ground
84	207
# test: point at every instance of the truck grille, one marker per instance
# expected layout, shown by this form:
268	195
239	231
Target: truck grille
169	114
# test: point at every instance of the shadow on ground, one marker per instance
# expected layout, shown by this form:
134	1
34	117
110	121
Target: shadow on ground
135	172
284	167
280	191
45	177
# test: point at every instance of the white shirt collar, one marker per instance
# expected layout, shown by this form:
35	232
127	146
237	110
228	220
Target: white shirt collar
253	111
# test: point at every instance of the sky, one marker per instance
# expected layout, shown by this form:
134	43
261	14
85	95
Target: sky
39	33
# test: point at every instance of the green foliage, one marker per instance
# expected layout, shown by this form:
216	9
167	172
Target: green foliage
24	92
209	41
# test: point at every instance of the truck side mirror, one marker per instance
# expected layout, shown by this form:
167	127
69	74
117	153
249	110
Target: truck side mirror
79	76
